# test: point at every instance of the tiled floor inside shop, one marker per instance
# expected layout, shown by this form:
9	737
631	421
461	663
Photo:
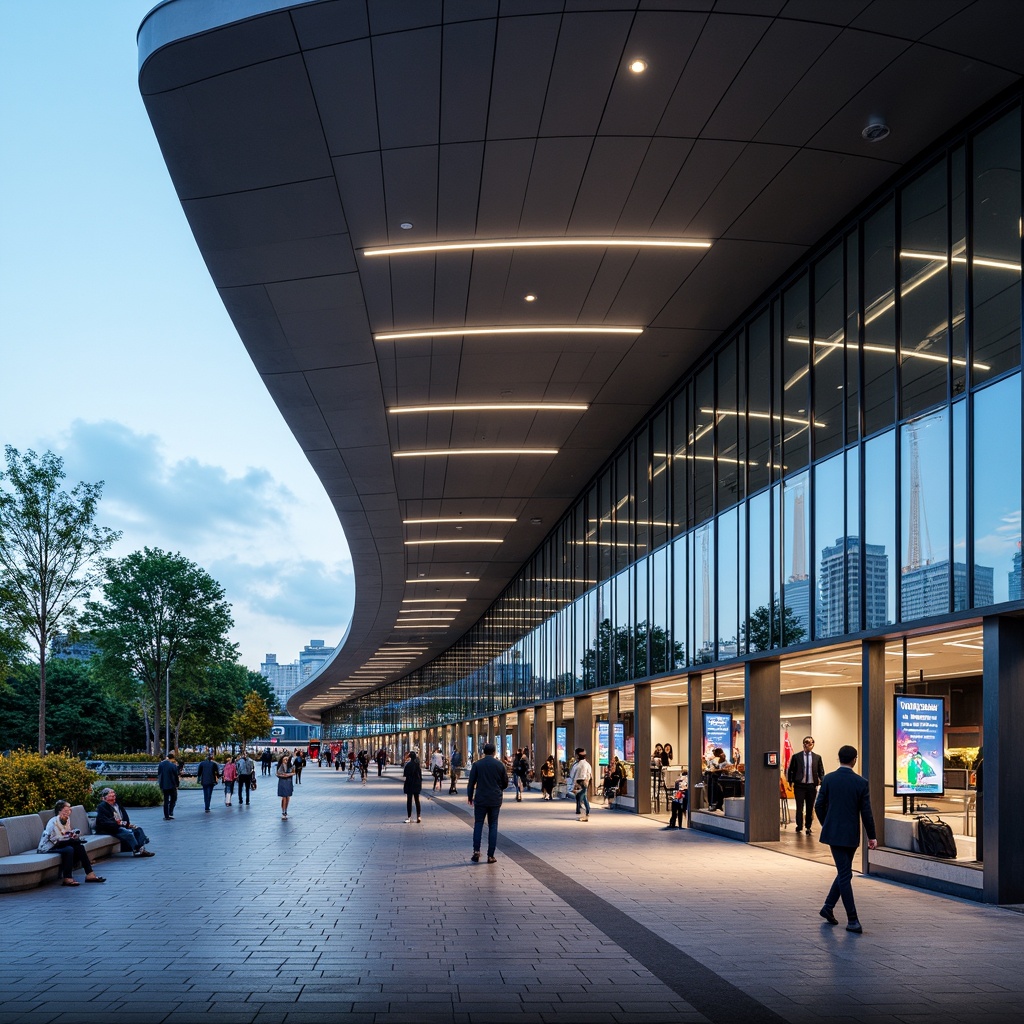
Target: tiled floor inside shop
345	913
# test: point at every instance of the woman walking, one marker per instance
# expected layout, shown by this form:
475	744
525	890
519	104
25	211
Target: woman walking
547	778
229	774
413	773
284	783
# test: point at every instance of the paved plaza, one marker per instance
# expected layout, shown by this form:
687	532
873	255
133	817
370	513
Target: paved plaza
345	913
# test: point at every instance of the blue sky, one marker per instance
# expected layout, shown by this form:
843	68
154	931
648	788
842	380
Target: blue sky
116	352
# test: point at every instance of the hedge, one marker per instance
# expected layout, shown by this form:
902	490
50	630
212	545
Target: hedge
30	782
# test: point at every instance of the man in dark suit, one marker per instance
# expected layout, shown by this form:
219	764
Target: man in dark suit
843	804
805	772
487	781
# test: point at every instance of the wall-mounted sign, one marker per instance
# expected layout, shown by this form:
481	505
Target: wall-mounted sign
918	754
560	744
717	733
602	742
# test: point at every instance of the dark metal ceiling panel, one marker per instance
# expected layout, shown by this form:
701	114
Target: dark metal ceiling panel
326	24
408	104
346	70
555	175
522	67
467	61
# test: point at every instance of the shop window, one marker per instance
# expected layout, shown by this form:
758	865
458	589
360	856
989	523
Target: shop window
997	493
995	252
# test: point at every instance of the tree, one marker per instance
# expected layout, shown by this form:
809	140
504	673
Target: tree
619	653
765	628
253	720
160	612
50	548
260	684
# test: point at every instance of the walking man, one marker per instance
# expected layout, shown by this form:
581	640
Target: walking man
579	782
246	769
843	804
455	767
168	779
207	775
487	782
805	772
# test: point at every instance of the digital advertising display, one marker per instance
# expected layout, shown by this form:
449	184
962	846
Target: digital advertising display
602	742
560	744
919	722
717	732
619	741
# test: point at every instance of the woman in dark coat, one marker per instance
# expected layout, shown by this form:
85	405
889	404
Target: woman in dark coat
413	773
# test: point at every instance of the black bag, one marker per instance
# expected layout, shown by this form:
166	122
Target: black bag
935	837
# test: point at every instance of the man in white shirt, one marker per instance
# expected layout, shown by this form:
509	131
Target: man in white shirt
437	767
579	782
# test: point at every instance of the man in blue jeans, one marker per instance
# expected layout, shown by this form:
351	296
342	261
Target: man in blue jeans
207	774
487	782
112	820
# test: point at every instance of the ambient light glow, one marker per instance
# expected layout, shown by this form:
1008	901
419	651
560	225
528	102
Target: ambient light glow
463	519
455	540
461	332
447	579
541	243
426	452
493	407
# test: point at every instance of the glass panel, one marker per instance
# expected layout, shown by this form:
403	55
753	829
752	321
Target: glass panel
702	446
924	279
622	514
829	352
727	428
995	252
639	615
879	321
592	548
680	464
605	524
727	579
961	598
796	353
853	320
702	600
796	592
759	359
924	469
774	618
997	479
958	270
680	605
830	582
658	468
641	494
880	530
659	622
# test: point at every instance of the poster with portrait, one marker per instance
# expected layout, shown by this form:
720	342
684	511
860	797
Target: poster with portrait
919	722
717	733
602	742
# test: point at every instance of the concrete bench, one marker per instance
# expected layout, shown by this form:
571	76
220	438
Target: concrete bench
21	867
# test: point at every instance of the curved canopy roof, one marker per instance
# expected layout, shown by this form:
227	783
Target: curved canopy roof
303	137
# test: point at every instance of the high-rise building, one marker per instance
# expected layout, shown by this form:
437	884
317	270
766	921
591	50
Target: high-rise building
840	597
287	678
1014	576
925	591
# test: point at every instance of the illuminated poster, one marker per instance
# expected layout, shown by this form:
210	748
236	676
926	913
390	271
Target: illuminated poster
560	744
919	730
717	732
602	742
619	738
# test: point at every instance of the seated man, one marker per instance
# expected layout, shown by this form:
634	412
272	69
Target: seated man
112	820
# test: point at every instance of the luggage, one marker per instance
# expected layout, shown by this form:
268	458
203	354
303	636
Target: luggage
935	837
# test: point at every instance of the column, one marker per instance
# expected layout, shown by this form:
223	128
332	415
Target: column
1003	728
613	717
583	728
558	722
695	742
642	747
523	733
761	708
542	745
872	755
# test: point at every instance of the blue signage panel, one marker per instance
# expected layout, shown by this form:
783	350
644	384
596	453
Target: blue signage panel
919	725
717	732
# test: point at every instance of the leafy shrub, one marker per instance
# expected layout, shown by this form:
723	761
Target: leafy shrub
30	782
127	758
134	794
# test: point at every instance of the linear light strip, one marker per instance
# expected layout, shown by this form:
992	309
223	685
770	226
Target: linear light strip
454	540
463	519
447	579
540	243
493	407
464	332
428	600
426	452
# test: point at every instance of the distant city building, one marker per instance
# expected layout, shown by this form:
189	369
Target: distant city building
797	599
1014	576
925	591
63	648
286	679
839	591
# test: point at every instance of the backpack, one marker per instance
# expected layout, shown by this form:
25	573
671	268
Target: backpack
456	759
935	837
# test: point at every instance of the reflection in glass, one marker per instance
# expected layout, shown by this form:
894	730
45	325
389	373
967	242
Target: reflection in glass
958	270
829	349
681	517
758	422
924	492
641	494
961	598
924	263
727	579
702	446
680	601
854	619
658	618
830	580
879	321
879	530
796	586
997	483
702	593
851	386
661	528
728	428
995	255
796	355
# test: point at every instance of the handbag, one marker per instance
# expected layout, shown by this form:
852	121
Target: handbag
252	784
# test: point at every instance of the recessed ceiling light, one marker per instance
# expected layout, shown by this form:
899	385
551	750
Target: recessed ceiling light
638	66
530	298
541	243
875	132
406	225
464	332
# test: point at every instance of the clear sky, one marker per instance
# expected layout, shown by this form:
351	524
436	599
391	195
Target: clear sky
115	351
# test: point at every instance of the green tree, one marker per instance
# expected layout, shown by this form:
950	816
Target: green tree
265	690
619	653
767	628
159	613
253	721
50	548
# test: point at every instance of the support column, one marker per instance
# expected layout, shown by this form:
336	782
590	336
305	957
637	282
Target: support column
583	728
1000	822
542	746
871	762
695	740
499	738
613	717
762	708
642	747
558	722
522	738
